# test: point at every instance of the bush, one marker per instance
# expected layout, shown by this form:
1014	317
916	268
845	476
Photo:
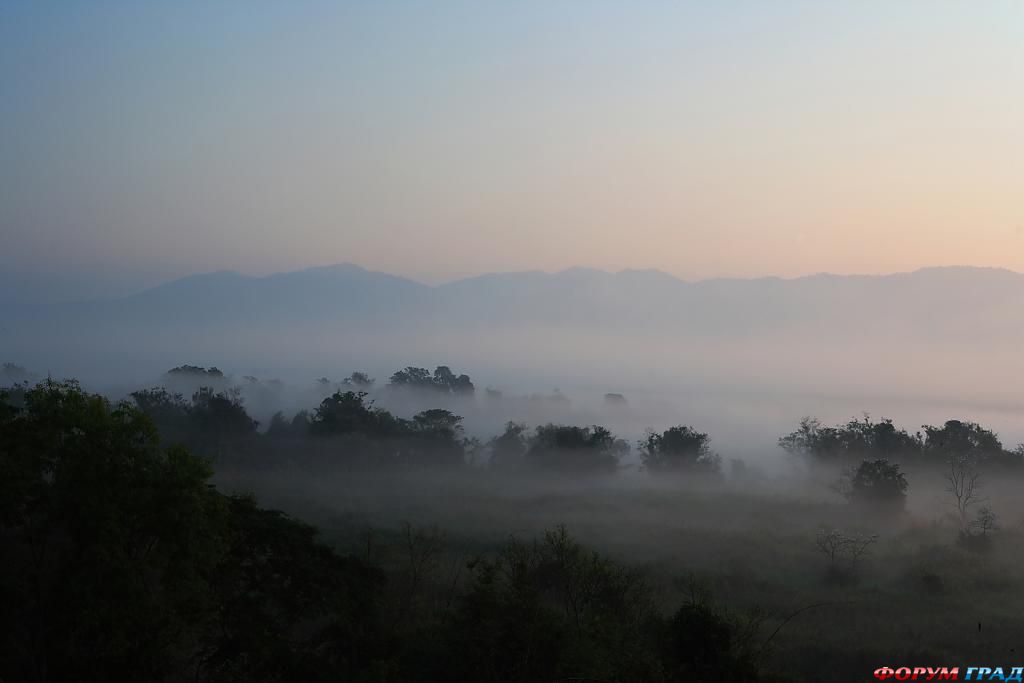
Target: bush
679	449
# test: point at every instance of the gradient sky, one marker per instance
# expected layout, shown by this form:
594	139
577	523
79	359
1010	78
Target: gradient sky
144	141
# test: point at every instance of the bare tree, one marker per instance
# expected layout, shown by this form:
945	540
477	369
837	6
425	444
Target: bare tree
839	546
985	522
963	482
830	543
858	545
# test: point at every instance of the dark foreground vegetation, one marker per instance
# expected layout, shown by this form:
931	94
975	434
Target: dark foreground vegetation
134	550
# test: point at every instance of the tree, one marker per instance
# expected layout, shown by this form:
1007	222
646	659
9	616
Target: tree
436	438
878	482
122	562
194	372
446	381
677	449
507	450
551	610
963	481
442	380
359	380
220	414
811	439
703	643
857	439
108	539
843	551
348	412
412	378
986	522
575	449
282	427
957	439
287	607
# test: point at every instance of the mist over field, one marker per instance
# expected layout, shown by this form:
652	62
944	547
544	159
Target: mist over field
532	342
744	358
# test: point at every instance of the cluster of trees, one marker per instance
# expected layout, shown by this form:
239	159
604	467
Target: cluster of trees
882	440
877	483
123	562
962	448
442	380
195	372
212	424
558	448
347	428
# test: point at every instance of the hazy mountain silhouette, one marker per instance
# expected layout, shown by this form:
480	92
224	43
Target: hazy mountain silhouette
955	302
937	332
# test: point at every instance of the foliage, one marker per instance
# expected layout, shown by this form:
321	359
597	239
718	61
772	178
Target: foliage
109	540
287	607
703	643
575	449
443	380
680	448
857	439
359	380
123	563
551	610
195	371
507	450
212	423
967	440
866	439
878	482
433	436
349	412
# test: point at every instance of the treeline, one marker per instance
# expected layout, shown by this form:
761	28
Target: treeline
122	562
348	429
441	380
869	440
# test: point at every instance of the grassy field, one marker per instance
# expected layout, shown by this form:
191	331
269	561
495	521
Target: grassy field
918	598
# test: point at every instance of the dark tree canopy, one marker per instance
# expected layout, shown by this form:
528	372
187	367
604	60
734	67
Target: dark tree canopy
969	440
359	380
575	449
508	449
443	380
349	412
857	439
195	371
211	423
123	563
129	530
679	448
880	482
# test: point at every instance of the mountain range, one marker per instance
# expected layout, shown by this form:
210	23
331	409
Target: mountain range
954	303
937	333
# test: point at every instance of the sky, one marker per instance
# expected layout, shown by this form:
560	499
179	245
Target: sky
145	141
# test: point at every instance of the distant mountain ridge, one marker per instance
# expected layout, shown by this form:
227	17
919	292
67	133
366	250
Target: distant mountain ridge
949	302
343	270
